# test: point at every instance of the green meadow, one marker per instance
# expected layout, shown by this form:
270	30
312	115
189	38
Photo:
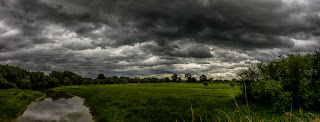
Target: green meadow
13	101
168	102
163	102
157	101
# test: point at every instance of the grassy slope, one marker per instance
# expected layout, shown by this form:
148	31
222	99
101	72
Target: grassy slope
157	102
12	101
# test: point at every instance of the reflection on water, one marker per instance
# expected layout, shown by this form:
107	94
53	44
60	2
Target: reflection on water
56	95
57	106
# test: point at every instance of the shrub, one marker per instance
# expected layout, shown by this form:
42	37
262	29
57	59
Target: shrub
265	90
25	84
205	83
309	93
293	76
4	84
282	101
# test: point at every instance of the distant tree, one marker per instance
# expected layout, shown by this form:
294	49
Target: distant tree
116	80
67	81
51	81
37	80
193	80
234	80
25	83
179	79
174	77
167	79
4	84
251	74
59	75
75	78
188	77
101	76
203	78
87	81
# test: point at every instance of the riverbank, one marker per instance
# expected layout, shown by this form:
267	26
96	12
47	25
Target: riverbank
14	101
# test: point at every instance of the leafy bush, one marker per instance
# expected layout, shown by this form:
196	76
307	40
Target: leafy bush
282	101
270	92
205	83
25	84
4	84
309	93
265	90
291	79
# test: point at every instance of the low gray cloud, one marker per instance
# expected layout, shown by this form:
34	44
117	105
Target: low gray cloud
141	38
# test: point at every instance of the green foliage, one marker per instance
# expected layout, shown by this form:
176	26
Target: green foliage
12	74
4	84
309	92
12	101
12	77
205	83
20	78
67	81
25	83
264	89
189	78
203	78
101	76
174	78
193	80
281	103
291	79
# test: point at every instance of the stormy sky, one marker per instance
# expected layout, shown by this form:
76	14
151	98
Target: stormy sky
154	37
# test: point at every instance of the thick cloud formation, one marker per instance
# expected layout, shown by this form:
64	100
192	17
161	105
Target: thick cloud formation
154	37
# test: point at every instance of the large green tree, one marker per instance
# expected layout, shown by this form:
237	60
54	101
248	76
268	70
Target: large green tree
290	79
203	78
174	77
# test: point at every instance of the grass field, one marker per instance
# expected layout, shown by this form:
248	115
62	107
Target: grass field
157	102
12	101
174	102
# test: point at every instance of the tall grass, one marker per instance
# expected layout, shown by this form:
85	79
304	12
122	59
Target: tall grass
14	101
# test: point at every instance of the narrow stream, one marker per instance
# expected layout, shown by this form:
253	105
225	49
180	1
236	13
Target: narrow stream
57	106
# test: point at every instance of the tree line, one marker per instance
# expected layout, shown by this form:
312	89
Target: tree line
290	80
15	77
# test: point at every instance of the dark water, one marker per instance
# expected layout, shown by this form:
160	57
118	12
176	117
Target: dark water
57	107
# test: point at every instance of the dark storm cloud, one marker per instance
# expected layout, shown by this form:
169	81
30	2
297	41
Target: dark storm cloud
244	24
141	37
176	50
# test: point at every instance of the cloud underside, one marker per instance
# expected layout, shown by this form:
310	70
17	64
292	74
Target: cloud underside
154	37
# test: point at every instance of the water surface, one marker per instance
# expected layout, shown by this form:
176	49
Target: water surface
57	106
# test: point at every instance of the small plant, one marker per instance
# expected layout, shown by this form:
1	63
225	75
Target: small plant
205	83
